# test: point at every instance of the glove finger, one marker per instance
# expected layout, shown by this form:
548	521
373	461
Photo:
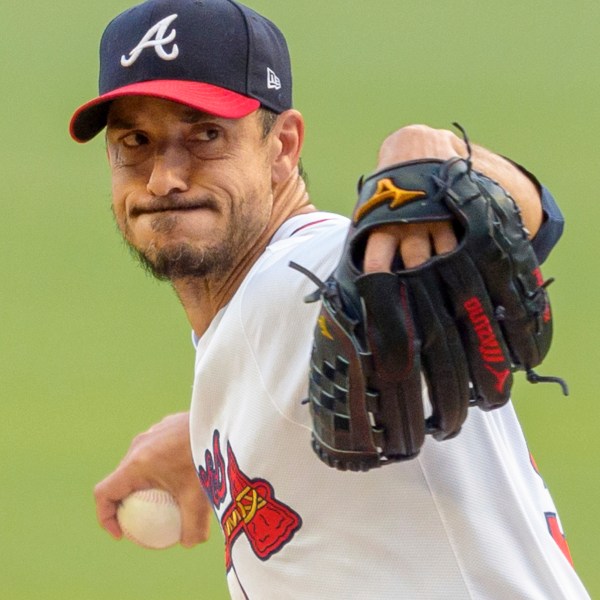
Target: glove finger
486	351
444	362
516	283
393	340
498	243
343	435
523	312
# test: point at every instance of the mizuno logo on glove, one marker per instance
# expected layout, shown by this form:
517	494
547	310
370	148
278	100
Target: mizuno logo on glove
489	348
387	192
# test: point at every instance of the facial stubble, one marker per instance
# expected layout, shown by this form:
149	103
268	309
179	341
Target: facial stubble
183	260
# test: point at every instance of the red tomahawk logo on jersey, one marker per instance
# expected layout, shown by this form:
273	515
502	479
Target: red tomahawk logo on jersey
268	523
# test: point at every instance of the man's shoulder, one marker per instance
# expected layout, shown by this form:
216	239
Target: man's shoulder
314	240
300	227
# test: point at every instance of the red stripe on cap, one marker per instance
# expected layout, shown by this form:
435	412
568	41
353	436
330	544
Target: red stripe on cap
201	96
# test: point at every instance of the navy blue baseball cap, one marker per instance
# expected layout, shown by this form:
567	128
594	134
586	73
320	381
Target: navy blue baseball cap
217	56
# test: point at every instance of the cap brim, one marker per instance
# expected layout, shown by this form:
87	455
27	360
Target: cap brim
89	119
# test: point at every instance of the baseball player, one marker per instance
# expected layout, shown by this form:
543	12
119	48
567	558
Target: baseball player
204	146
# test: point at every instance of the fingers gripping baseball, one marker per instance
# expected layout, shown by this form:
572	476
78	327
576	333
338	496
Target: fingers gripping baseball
158	458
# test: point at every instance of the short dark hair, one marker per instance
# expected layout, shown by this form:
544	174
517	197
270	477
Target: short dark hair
268	119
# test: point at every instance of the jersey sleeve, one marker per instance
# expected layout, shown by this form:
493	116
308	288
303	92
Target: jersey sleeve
553	221
552	226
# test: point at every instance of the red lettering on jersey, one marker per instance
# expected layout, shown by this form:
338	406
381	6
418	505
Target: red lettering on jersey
558	535
212	476
552	521
534	464
535	468
268	523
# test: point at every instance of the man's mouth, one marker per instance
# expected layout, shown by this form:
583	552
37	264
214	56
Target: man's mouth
163	206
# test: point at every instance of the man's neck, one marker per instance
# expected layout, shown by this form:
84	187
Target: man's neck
203	298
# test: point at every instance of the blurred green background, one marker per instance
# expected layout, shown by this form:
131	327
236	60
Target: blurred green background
93	351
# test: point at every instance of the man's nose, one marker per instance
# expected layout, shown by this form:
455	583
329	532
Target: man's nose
170	172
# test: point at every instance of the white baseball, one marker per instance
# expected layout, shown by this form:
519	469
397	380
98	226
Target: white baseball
150	518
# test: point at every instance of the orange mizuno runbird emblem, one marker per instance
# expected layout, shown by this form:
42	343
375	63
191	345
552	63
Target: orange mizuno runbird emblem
386	190
323	327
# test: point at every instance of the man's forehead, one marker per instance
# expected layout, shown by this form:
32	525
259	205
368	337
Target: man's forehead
131	110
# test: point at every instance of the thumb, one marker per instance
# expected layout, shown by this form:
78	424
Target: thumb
196	516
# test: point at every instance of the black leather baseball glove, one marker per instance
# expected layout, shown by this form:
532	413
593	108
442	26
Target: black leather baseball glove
461	324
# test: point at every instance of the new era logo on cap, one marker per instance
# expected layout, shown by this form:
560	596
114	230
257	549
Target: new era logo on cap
273	82
217	56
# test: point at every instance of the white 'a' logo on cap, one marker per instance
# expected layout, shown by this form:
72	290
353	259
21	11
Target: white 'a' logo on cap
155	38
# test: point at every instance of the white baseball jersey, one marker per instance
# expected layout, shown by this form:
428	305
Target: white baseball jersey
469	518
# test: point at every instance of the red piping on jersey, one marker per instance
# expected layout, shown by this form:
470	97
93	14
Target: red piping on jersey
309	225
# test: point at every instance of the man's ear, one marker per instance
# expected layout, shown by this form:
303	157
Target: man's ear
287	138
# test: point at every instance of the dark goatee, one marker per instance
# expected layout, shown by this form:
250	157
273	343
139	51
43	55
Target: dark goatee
183	261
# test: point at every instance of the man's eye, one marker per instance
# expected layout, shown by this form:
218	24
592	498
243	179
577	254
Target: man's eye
134	140
207	135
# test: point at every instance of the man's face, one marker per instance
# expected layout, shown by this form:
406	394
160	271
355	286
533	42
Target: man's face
191	192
